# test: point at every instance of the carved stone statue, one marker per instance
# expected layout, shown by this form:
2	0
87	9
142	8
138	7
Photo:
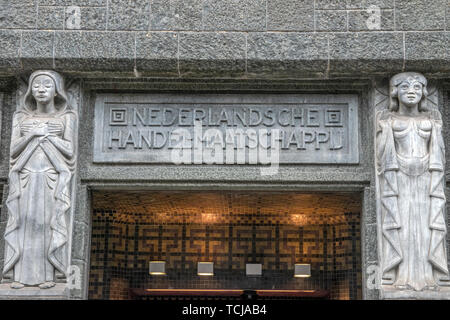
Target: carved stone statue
42	161
410	167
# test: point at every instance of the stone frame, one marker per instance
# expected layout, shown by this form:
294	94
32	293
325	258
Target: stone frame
94	176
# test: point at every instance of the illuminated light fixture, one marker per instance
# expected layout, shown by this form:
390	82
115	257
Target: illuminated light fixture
253	269
157	268
209	218
302	270
299	219
205	268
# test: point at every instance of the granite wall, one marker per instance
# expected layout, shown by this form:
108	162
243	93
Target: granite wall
228	38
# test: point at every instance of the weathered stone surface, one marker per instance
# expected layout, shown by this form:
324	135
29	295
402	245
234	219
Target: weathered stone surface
51	18
221	54
234	15
361	21
176	15
292	15
287	55
177	176
10	52
3	220
128	15
87	51
79	279
427	51
93	18
331	20
2	243
18	14
72	2
373	294
365	4
371	242
4	209
330	4
156	52
370	212
37	44
83	206
369	53
392	293
420	14
80	241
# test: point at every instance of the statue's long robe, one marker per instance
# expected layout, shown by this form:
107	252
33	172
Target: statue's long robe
36	233
412	212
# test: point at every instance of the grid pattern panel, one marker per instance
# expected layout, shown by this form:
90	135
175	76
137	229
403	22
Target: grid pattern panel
230	229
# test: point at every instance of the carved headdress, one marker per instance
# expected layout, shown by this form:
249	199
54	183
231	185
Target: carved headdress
61	99
409	77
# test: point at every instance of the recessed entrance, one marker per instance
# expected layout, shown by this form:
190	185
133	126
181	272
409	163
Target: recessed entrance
231	229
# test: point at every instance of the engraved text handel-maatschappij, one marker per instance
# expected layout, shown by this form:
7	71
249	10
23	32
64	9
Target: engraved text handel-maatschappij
299	127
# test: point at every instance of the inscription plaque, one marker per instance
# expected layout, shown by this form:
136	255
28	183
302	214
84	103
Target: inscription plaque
146	128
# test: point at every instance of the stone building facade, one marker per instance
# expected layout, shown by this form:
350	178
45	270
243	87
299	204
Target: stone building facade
332	58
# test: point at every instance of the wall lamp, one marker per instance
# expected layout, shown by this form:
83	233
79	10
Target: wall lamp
253	269
302	270
157	268
205	268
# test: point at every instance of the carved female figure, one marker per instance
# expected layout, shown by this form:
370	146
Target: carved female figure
410	165
42	162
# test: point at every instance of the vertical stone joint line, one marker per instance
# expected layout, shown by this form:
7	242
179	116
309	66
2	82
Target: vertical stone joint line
149	15
327	73
314	16
347	19
64	19
404	52
136	73
203	15
20	49
107	14
445	17
178	53
267	19
395	18
246	50
53	50
37	15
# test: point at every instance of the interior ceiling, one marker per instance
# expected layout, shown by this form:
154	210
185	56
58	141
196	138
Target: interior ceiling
203	207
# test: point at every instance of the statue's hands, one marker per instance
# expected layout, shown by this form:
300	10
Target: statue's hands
44	139
54	128
26	128
40	130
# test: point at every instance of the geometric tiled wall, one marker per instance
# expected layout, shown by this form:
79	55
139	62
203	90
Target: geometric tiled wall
230	229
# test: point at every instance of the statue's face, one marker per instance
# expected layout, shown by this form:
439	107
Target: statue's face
410	92
43	89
